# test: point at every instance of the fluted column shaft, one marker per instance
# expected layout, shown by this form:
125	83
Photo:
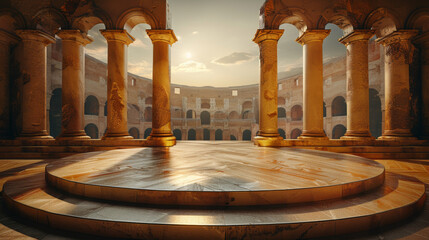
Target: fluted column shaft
117	45
398	55
312	42
161	114
357	84
6	40
73	84
423	42
267	40
33	72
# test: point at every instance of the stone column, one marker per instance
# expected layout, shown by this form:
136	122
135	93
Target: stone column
357	85
6	40
73	84
117	45
312	42
267	40
423	43
161	115
398	54
33	72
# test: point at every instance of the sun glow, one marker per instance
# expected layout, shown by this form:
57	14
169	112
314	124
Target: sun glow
188	55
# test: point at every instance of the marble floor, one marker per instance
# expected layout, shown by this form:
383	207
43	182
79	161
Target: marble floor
11	228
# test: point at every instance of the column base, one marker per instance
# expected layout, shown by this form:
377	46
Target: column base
307	135
113	136
164	140
78	135
397	135
358	136
396	138
42	135
267	141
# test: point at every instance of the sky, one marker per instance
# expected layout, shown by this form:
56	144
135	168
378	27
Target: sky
215	46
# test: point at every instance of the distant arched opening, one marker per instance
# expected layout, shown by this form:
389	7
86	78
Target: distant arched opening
190	114
105	109
192	134
178	134
375	120
205	118
233	115
338	131
206	134
219	135
148	114
55	113
91	106
282	133
295	133
324	109
296	113
147	132
281	112
232	138
91	130
247	135
339	106
134	132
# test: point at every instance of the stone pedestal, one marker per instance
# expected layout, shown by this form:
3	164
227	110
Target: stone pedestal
33	73
6	40
117	44
398	54
161	115
73	84
357	85
422	41
312	42
267	40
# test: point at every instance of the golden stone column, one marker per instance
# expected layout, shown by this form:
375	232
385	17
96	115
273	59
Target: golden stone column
423	42
357	85
267	40
33	73
117	45
398	55
6	40
73	84
161	115
312	42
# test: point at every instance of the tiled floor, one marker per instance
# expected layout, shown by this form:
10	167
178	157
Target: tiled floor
10	228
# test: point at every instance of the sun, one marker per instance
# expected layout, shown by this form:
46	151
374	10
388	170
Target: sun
188	55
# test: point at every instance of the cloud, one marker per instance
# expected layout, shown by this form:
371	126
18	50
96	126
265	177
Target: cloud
140	68
234	58
194	32
191	66
138	43
290	66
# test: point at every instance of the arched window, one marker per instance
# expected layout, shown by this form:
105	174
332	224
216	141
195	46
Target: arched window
147	132
105	109
295	133
339	106
205	118
192	134
91	130
247	135
247	105
281	112
374	113
55	113
246	114
134	132
148	114
190	114
91	106
296	113
324	109
219	135
232	138
178	134
234	115
206	134
338	131
282	133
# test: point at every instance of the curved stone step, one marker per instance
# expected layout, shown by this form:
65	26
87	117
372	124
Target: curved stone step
397	199
200	174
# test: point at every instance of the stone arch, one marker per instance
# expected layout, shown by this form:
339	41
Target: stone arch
219	134
282	133
85	19
55	113
234	115
148	114
10	20
205	105
294	134
131	17
296	113
192	134
147	132
232	137
91	130
281	112
219	115
134	132
384	21
419	19
247	135
375	114
281	101
339	106
190	114
340	16
206	134
247	105
338	131
294	16
205	118
178	134
246	114
91	105
148	101
49	20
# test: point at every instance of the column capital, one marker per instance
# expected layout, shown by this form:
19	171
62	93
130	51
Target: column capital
422	39
268	34
396	37
8	38
74	35
313	35
162	35
117	35
398	45
357	35
35	35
